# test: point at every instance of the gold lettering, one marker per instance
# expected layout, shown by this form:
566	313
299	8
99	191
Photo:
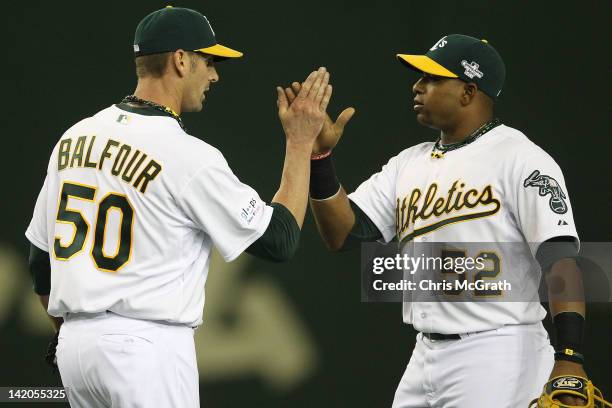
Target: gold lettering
429	197
451	191
87	162
127	176
438	208
124	150
397	216
413	209
433	205
63	154
148	174
466	199
78	151
106	152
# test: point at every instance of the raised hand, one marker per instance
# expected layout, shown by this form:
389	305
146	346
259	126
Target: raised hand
303	117
331	132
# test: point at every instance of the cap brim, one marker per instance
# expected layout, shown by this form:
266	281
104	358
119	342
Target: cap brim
219	50
425	64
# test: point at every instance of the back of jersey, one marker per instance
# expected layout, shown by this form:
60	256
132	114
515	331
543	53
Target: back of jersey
117	216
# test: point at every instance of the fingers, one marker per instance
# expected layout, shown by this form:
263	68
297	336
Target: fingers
322	88
326	97
307	85
281	100
296	86
290	94
313	91
344	117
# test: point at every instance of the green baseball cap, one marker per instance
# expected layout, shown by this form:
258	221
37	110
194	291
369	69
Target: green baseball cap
464	57
171	28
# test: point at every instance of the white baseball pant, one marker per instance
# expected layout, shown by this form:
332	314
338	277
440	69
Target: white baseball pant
502	368
107	360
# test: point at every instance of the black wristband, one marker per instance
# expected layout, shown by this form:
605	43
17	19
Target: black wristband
569	328
569	355
323	180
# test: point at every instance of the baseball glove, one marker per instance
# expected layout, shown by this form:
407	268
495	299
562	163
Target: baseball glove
570	385
50	356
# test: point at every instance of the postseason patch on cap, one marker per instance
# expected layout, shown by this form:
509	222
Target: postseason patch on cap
471	69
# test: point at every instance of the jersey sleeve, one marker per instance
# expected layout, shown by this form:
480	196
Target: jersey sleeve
229	211
377	199
37	230
543	205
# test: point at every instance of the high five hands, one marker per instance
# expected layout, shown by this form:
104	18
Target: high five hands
303	116
331	132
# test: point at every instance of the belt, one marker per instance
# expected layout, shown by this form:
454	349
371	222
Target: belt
440	336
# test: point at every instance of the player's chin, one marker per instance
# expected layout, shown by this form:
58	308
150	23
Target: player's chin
426	121
423	119
197	105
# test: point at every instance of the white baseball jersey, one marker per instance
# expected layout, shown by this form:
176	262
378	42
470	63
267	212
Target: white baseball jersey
501	188
129	212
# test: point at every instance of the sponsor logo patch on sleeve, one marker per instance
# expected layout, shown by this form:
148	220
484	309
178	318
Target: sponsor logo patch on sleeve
250	211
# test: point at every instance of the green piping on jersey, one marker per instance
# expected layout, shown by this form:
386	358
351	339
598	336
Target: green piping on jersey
145	110
443	223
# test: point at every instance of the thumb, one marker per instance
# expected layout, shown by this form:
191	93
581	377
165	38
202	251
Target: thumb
344	117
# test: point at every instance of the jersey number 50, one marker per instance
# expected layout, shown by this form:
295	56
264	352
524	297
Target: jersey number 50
65	215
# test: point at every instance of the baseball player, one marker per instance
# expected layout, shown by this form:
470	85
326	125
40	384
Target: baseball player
480	182
131	208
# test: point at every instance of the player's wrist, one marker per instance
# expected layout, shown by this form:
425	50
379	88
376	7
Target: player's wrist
570	356
299	147
323	180
569	329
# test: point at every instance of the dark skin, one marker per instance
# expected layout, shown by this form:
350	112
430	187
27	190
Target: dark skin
455	108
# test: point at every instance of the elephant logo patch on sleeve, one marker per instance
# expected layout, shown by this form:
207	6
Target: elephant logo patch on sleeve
548	185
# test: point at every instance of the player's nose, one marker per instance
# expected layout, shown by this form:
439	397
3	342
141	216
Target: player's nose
417	88
213	75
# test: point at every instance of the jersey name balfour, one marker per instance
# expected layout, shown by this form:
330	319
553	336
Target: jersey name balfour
124	162
418	206
130	210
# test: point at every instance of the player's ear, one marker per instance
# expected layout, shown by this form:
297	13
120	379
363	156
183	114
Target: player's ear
181	62
469	93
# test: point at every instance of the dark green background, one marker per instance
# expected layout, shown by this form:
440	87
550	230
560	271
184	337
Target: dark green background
63	61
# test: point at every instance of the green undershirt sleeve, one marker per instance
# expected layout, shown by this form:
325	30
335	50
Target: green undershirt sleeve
555	249
280	240
40	270
364	230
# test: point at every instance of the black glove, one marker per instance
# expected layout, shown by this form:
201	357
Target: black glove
50	356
